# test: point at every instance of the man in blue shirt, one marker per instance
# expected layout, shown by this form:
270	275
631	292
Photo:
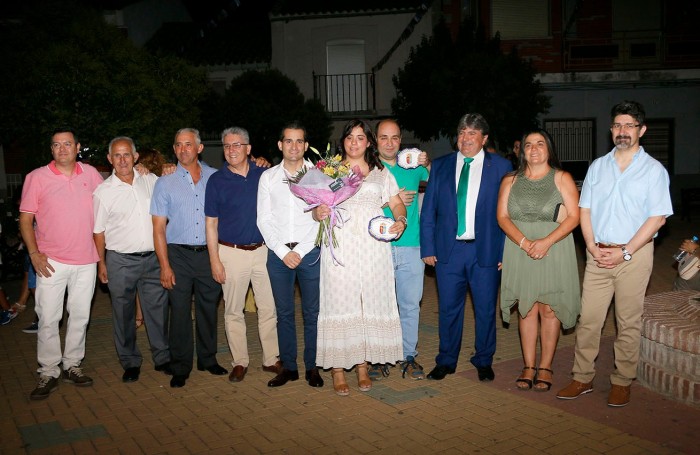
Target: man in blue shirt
238	253
408	265
180	243
624	201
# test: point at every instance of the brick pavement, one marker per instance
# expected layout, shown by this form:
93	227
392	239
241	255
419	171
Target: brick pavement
211	415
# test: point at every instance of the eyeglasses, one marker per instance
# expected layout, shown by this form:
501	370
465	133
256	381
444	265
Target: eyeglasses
623	126
235	146
57	145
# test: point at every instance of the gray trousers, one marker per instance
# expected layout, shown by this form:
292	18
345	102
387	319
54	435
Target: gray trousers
127	275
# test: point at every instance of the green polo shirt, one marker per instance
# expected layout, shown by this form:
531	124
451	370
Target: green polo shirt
408	179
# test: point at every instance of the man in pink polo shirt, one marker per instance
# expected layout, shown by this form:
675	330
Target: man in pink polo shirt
58	197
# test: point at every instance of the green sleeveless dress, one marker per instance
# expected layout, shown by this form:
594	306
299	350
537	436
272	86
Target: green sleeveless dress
553	280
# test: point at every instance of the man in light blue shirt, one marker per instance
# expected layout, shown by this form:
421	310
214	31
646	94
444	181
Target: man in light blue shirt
181	246
624	201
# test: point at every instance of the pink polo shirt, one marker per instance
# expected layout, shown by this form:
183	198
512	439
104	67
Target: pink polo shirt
62	208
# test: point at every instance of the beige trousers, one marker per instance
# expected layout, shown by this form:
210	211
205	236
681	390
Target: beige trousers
243	268
627	282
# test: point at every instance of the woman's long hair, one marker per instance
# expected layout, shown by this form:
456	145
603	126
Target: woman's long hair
371	154
552	158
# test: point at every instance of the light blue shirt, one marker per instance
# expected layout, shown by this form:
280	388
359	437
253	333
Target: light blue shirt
620	202
177	198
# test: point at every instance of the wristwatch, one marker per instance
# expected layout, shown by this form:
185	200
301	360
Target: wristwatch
626	255
405	221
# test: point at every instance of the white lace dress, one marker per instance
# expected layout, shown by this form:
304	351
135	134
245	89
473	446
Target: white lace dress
358	319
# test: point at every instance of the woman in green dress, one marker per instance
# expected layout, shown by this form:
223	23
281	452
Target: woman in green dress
540	272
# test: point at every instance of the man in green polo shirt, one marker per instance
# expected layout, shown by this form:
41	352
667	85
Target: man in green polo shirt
408	266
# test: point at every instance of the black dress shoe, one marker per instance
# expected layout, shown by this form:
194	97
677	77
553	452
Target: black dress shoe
216	369
165	368
284	377
313	377
439	372
485	373
131	374
178	381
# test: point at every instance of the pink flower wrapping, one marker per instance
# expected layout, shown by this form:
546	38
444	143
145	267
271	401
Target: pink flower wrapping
314	188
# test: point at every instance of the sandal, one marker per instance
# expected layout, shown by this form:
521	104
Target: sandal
364	382
548	384
340	385
19	307
139	323
527	382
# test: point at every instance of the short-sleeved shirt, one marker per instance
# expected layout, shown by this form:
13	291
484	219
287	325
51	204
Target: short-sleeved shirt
233	199
179	199
410	180
620	202
122	213
62	208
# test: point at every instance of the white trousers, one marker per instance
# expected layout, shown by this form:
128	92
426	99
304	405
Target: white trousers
79	280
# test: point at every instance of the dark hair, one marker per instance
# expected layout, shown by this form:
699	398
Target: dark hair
371	156
295	125
66	129
153	160
552	158
476	121
631	108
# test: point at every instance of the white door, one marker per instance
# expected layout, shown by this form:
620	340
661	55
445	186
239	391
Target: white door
346	80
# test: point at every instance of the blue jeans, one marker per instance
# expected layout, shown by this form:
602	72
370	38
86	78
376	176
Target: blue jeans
408	273
282	279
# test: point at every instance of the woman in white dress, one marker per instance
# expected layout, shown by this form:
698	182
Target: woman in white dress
358	320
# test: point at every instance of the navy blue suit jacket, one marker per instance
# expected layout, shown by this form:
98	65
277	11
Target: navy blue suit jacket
438	221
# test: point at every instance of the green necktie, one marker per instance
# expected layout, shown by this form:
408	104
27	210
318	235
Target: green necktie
462	197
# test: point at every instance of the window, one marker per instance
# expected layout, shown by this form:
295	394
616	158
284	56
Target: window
516	19
346	81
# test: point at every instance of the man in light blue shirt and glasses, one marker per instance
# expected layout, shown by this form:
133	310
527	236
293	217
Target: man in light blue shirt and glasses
624	201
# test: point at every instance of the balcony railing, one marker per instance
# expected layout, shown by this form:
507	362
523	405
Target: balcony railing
345	94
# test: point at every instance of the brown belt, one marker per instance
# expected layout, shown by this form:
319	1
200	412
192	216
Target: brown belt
291	245
614	245
609	245
249	247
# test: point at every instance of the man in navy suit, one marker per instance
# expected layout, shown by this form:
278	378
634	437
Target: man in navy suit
466	260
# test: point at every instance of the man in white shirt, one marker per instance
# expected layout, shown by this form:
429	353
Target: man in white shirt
124	238
290	235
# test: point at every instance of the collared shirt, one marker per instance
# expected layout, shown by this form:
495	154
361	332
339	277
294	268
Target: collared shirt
233	199
620	202
62	208
409	179
122	213
179	199
475	169
281	216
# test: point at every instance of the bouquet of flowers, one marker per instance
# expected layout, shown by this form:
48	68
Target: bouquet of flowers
330	182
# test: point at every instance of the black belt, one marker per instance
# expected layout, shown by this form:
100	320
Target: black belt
142	254
195	248
291	245
248	247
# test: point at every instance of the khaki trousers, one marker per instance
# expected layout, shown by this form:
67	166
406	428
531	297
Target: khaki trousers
243	268
627	282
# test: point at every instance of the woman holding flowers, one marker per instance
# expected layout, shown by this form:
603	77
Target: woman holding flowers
358	319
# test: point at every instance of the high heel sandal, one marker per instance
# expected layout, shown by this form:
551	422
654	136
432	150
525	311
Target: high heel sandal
538	381
526	381
364	383
340	386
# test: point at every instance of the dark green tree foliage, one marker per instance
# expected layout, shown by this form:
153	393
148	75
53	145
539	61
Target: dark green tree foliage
66	66
443	80
263	102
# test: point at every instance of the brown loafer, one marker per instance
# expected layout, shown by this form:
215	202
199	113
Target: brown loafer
619	396
274	368
238	373
575	390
